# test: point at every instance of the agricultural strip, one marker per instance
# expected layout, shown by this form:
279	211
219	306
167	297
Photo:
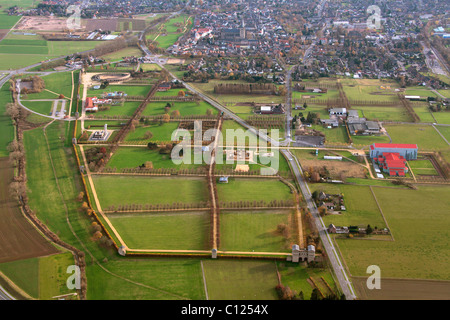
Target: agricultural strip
20	240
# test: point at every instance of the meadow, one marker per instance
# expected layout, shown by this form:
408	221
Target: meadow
361	208
424	136
160	132
163	231
248	189
132	157
242	280
185	108
253	231
416	218
121	190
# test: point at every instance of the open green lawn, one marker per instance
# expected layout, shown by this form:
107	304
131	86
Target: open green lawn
362	141
253	231
153	279
185	108
369	90
121	190
161	132
424	136
127	52
58	83
242	280
384	113
42	107
424	113
331	94
245	189
21	56
127	109
442	117
445	131
7	21
162	230
132	157
416	219
333	135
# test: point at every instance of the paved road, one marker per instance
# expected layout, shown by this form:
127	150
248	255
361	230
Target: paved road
4	295
333	256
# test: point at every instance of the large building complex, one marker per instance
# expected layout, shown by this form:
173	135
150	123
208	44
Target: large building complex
391	158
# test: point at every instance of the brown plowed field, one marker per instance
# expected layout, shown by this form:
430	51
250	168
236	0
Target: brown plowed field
18	238
403	289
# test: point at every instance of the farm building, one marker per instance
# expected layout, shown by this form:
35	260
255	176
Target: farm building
392	163
89	105
407	151
338	111
277	109
164	86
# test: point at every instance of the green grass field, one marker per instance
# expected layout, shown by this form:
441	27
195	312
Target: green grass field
152	279
120	190
13	57
132	157
361	208
127	109
243	280
384	113
253	231
424	136
185	108
245	189
7	21
416	218
160	132
162	230
334	135
55	84
42	107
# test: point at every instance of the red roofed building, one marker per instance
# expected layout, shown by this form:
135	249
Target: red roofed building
392	163
89	105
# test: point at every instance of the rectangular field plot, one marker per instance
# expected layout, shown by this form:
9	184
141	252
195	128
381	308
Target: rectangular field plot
128	190
242	189
254	231
384	113
127	109
185	108
361	208
416	219
42	107
129	90
165	231
242	280
132	157
159	132
425	136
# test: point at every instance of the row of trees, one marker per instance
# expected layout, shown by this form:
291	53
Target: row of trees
245	88
157	207
255	203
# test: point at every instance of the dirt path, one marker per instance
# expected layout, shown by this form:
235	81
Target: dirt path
97	202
